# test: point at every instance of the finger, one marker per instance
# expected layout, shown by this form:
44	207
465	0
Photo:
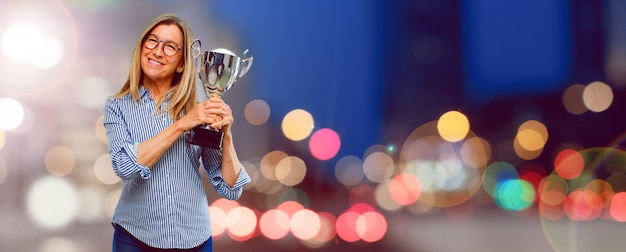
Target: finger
224	121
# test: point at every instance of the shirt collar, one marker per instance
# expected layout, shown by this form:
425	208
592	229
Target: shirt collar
143	92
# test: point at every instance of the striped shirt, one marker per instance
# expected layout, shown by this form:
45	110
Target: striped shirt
166	206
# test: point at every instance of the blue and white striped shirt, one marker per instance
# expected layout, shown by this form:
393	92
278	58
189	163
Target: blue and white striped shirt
166	206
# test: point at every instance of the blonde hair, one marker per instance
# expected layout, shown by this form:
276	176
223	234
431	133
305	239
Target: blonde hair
183	91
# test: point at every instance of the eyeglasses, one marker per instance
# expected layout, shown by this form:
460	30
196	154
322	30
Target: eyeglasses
170	48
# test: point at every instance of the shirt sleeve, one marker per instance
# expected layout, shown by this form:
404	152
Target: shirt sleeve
122	150
212	162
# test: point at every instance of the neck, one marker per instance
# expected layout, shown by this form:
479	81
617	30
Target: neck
157	89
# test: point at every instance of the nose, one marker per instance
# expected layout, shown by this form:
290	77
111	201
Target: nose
158	50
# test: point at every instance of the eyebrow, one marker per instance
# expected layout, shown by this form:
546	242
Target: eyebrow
164	40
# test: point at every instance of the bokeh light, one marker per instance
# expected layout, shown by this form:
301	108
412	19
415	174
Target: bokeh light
582	205
11	114
60	160
532	135
324	144
241	223
52	202
573	99
257	112
22	42
28	122
269	163
297	124
598	96
405	189
274	224
361	222
378	166
514	194
618	207
371	226
101	133
476	152
104	170
445	179
453	126
326	231
25	42
290	171
497	173
569	164
346	226
384	199
349	170
218	221
305	224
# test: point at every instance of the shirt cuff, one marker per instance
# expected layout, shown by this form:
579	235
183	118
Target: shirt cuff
144	171
243	178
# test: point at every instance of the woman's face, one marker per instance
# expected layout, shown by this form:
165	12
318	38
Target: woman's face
156	65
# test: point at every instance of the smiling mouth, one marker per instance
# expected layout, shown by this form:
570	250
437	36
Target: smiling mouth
155	62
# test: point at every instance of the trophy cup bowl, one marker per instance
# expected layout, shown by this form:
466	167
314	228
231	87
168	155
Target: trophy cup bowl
217	70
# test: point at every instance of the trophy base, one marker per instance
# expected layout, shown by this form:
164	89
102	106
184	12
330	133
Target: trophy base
205	137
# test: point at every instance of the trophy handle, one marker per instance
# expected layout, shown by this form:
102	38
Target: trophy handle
195	49
246	62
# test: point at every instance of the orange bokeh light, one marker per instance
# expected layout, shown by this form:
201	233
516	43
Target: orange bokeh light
241	223
405	189
617	209
569	164
583	205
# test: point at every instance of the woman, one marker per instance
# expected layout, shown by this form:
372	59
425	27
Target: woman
163	204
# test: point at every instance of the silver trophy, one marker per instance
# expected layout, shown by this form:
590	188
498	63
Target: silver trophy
217	72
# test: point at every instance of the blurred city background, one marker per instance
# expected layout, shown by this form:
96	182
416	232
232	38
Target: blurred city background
408	125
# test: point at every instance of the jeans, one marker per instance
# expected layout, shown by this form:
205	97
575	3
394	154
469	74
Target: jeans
125	242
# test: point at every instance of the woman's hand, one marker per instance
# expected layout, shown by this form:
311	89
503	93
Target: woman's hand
213	112
198	115
220	113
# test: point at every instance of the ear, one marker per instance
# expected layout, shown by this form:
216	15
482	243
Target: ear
180	68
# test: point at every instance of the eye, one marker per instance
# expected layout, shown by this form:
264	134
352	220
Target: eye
171	46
